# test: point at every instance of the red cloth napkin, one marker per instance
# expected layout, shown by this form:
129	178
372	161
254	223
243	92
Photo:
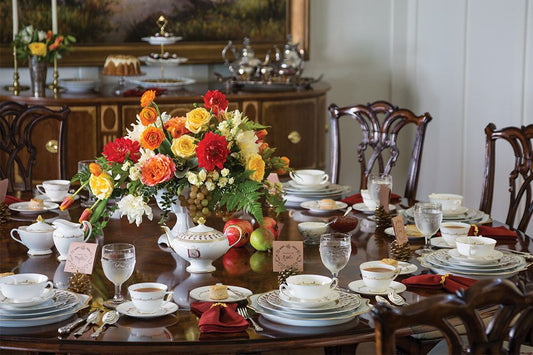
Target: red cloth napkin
11	199
500	233
450	283
219	317
357	198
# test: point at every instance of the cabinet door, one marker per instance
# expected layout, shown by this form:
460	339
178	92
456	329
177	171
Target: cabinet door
294	130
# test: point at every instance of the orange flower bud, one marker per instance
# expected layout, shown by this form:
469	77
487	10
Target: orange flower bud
262	147
95	169
67	202
282	171
86	215
261	134
147	98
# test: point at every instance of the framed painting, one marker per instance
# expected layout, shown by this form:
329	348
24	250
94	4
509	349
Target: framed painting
105	27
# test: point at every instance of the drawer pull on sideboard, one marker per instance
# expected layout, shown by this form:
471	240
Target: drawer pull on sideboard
294	137
52	146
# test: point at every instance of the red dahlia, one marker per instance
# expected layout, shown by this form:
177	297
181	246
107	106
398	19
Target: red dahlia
117	150
212	151
216	101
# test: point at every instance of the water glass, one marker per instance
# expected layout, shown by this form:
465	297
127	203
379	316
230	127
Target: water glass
428	217
374	185
118	262
335	250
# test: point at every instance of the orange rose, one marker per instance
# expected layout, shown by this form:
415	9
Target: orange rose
148	115
152	137
95	169
282	171
157	169
176	126
147	98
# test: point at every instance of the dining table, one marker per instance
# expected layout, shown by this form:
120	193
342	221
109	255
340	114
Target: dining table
240	267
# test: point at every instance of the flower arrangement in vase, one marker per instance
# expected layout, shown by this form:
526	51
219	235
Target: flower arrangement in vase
218	156
44	45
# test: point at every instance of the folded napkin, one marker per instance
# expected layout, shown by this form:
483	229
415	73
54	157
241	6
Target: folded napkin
448	282
11	199
357	198
219	317
500	233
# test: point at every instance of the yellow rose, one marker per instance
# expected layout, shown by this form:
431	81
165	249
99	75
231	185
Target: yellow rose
183	146
101	185
197	120
256	164
37	48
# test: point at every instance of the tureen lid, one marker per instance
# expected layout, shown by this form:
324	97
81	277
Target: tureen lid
40	226
201	233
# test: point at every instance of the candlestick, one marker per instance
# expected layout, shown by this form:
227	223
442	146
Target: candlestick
54	16
16	87
15	18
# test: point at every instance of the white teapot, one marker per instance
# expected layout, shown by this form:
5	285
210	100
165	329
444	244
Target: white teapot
200	245
67	232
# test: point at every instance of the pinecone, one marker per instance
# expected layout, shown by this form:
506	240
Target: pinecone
282	277
383	219
4	213
80	283
400	252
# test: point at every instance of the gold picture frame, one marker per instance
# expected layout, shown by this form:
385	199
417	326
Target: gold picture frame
195	52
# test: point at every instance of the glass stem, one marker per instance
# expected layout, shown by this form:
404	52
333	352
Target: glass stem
118	292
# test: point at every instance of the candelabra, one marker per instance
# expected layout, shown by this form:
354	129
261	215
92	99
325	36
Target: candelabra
16	87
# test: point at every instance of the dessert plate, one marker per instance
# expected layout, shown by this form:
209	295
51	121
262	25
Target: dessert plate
24	207
314	206
361	207
312	303
390	231
170	61
439	242
47	294
344	299
360	287
235	294
129	309
494	257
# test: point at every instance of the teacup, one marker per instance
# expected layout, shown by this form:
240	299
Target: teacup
311	231
148	297
367	200
309	177
25	286
308	287
475	247
56	190
378	276
449	202
451	230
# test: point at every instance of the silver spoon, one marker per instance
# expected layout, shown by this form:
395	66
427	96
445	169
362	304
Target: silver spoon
396	298
91	319
109	318
382	300
344	215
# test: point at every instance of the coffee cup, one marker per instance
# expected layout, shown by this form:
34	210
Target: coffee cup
311	231
475	247
308	287
20	287
378	276
148	297
449	202
368	201
56	190
451	230
309	177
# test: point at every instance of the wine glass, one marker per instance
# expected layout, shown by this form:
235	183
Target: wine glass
335	250
118	262
428	216
83	165
374	185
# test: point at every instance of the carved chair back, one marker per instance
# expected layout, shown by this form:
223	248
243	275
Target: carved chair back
520	178
20	126
512	320
379	137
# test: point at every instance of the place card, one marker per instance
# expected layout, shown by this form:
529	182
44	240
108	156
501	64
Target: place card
80	257
399	230
384	197
286	254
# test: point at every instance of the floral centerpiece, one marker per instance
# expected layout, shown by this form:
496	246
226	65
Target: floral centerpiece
218	156
44	45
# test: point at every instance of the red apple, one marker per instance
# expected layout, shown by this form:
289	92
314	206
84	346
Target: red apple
262	239
236	261
234	234
271	224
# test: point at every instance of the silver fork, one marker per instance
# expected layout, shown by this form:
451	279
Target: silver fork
243	311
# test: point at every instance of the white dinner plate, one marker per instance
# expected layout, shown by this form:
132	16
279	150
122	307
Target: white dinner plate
439	242
493	258
9	302
311	303
23	207
360	287
390	231
361	207
345	299
314	206
129	309
235	294
61	300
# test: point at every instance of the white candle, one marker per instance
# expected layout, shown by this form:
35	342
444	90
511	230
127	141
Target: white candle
15	19
54	16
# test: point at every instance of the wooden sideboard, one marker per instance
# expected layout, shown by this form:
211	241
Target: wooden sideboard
297	120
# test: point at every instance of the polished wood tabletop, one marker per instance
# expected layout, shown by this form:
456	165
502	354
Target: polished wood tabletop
179	332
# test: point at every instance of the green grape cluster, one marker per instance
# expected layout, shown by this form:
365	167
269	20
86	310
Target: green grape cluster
197	203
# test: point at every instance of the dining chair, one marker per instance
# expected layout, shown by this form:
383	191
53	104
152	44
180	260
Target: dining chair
520	178
512	320
21	129
380	138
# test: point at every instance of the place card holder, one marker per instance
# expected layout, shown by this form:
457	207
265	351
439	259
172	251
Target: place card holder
400	248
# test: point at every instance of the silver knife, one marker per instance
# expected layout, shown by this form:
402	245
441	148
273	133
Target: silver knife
64	330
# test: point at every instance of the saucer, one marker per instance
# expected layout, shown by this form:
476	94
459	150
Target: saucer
129	309
308	187
28	302
24	207
406	268
439	242
360	287
46	198
493	257
455	212
311	303
314	206
361	207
